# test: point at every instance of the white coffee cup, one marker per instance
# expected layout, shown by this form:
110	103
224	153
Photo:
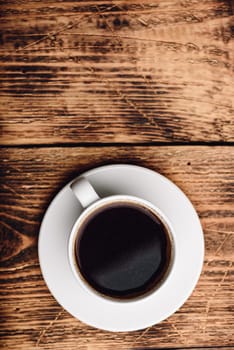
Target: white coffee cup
91	202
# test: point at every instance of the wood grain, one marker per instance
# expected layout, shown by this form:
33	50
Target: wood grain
123	71
31	318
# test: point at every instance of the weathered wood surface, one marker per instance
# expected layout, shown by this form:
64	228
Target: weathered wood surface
123	71
115	71
31	317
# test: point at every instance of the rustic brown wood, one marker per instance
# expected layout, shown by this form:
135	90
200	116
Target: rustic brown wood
123	71
32	318
115	71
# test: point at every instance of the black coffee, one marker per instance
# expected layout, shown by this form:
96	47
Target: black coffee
123	250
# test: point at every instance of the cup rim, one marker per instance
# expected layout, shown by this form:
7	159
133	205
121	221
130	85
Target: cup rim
97	205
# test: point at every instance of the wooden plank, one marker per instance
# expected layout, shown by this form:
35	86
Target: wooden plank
32	318
127	71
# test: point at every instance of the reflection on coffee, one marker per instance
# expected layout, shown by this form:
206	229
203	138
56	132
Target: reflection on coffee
123	250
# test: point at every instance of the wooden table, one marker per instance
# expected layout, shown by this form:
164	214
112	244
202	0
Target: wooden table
86	83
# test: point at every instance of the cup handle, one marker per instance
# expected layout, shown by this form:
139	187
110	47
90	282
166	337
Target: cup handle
84	192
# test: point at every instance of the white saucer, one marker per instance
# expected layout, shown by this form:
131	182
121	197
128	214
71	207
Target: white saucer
105	314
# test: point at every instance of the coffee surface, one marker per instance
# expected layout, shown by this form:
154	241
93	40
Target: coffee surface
123	250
